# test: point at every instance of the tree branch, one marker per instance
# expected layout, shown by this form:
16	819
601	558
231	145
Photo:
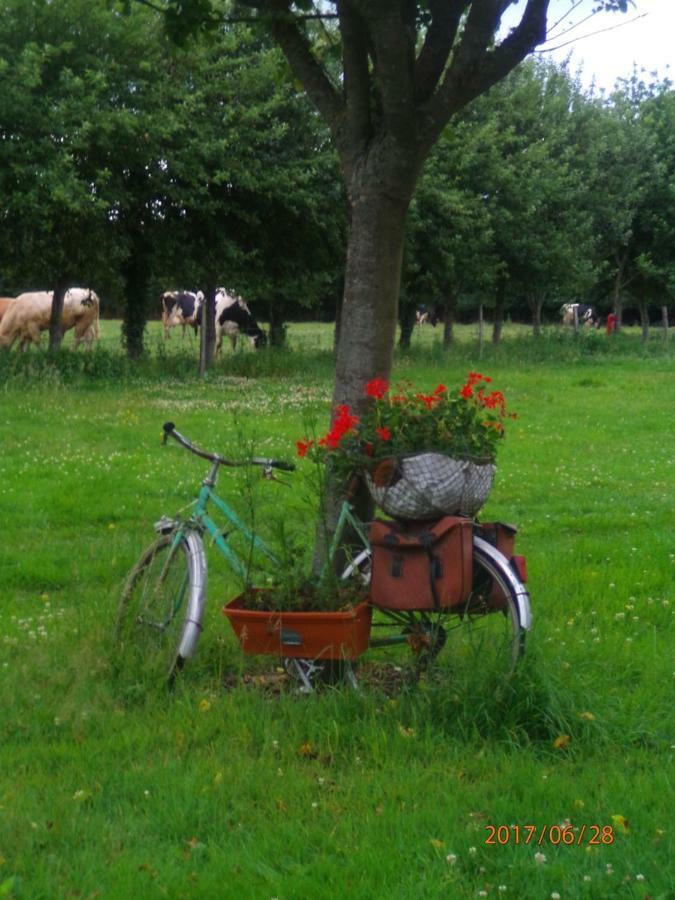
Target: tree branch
440	36
392	31
474	68
311	74
356	74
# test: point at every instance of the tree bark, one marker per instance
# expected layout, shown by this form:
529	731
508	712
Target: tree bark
535	303
368	321
407	319
370	303
449	313
617	303
644	318
56	314
136	302
277	324
498	324
207	334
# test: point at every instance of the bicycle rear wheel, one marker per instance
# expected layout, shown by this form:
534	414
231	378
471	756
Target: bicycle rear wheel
160	610
472	649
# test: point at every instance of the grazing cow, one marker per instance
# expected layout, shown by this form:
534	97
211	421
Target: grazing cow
28	316
234	317
425	314
5	303
181	308
585	315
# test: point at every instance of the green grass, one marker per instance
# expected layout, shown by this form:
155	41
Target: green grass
226	789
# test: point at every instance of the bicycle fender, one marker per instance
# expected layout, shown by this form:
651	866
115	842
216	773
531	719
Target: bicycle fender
485	549
196	600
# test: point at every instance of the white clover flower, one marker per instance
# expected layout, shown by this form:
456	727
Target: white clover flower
451	858
472	851
639	877
555	896
539	858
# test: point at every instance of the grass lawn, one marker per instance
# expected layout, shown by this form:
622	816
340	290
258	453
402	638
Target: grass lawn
230	788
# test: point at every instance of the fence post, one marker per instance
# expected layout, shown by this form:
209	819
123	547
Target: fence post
480	330
664	320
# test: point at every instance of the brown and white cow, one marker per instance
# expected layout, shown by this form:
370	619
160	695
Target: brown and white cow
28	316
233	317
5	303
181	308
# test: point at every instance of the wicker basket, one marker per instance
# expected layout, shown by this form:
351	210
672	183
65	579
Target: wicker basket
430	485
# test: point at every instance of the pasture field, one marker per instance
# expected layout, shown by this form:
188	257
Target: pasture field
233	787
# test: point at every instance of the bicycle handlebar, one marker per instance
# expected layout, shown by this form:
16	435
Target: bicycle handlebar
170	431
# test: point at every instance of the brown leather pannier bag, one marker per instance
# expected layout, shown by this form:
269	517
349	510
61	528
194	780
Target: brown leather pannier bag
421	566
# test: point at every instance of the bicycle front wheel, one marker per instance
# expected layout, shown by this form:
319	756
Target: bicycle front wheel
160	611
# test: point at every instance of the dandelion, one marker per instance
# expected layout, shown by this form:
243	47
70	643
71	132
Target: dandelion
588	716
561	741
621	823
204	705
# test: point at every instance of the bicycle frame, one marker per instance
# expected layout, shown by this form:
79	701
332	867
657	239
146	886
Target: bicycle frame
203	522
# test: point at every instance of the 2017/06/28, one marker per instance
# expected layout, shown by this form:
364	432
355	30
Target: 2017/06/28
549	834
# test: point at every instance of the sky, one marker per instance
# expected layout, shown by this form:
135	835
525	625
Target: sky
644	35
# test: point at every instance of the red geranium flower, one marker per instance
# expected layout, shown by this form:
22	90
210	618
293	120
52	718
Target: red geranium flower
384	433
302	447
377	388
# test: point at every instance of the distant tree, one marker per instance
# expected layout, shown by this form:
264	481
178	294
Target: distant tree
53	212
649	271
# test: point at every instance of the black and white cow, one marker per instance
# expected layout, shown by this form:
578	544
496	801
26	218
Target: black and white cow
425	314
233	317
580	313
181	308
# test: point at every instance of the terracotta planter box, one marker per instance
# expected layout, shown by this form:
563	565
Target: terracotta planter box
308	635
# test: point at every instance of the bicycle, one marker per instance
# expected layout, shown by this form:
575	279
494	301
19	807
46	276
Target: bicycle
162	604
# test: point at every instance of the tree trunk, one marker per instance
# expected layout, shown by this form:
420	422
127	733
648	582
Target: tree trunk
644	318
207	335
370	303
617	303
498	324
136	302
367	333
338	321
277	324
55	316
535	303
664	322
407	321
449	312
